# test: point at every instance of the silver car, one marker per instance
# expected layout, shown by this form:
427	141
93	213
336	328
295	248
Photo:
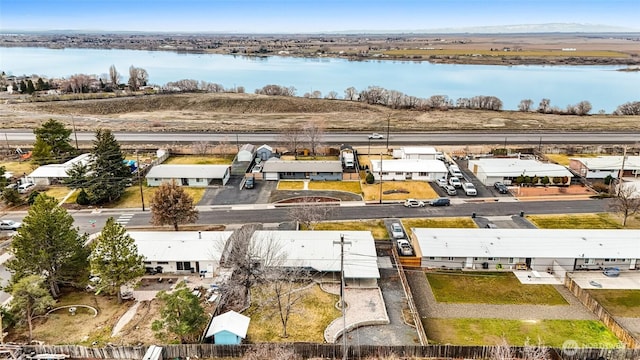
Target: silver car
10	225
451	190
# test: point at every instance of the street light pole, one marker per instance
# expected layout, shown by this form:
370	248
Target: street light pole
139	180
388	128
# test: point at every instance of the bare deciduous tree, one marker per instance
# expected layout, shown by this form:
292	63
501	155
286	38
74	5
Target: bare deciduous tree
331	95
351	94
313	134
201	147
137	77
504	351
544	106
525	105
114	76
286	283
630	108
626	202
582	108
310	213
268	351
292	139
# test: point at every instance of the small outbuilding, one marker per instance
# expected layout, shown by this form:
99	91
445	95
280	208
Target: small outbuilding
229	328
246	153
417	152
264	152
189	175
52	173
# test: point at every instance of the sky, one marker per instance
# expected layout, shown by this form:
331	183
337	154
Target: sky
306	16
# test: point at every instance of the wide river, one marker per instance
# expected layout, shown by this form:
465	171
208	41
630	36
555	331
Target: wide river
603	86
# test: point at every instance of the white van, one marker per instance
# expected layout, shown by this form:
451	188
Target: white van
454	170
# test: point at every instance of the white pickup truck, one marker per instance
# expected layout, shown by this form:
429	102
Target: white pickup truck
469	189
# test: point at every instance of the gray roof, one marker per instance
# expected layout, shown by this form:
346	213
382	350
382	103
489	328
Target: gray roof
188	171
230	321
275	165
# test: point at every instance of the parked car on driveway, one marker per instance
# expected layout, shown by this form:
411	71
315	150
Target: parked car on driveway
442	182
404	247
502	188
10	225
25	188
469	189
376	136
455	182
440	202
451	190
396	231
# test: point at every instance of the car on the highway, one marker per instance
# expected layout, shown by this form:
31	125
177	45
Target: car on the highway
440	202
376	136
396	231
451	190
414	203
502	188
10	225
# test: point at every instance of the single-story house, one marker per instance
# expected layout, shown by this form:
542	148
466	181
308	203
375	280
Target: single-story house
229	328
417	152
49	174
602	166
189	175
277	169
182	252
507	170
629	188
408	169
264	152
319	251
246	153
535	249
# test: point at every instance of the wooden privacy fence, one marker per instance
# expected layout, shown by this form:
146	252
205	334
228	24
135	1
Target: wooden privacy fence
609	321
311	350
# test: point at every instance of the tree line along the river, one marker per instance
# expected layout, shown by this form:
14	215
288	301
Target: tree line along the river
138	80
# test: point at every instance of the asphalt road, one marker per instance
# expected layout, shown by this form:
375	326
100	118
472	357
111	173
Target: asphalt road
434	138
92	222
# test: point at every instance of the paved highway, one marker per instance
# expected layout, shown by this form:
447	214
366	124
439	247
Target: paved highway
433	138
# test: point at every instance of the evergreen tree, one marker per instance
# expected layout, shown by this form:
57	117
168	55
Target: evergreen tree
109	174
30	88
77	176
23	87
30	298
53	143
48	245
114	259
40	84
3	179
171	205
182	315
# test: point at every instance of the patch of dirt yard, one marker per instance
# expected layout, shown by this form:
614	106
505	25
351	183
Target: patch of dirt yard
60	327
138	330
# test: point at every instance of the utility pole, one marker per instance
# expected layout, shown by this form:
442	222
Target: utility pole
621	172
380	178
139	180
388	128
75	133
342	303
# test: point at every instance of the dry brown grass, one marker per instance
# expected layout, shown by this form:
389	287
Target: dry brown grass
348	186
18	167
408	190
377	227
443	222
290	185
564	159
521	54
250	112
199	160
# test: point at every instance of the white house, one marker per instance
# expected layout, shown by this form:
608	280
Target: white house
417	152
319	251
408	169
602	166
492	170
535	249
49	174
189	175
277	169
182	252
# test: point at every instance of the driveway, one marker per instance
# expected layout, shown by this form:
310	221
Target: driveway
397	332
504	222
230	194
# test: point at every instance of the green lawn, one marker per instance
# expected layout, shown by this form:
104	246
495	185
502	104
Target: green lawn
578	221
625	303
587	333
377	227
490	288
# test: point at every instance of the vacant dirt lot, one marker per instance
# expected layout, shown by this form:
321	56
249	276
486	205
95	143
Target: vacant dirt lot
249	112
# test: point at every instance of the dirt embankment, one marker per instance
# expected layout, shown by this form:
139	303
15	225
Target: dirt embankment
249	112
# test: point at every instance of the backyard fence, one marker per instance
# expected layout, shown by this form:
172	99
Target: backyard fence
609	321
327	351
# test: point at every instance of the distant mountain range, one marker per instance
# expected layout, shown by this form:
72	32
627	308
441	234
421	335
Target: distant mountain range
498	29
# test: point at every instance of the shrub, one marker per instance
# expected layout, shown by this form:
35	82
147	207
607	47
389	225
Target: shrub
600	187
32	197
83	198
369	178
545	180
12	197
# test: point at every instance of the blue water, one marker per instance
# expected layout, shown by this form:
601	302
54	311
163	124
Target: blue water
603	86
